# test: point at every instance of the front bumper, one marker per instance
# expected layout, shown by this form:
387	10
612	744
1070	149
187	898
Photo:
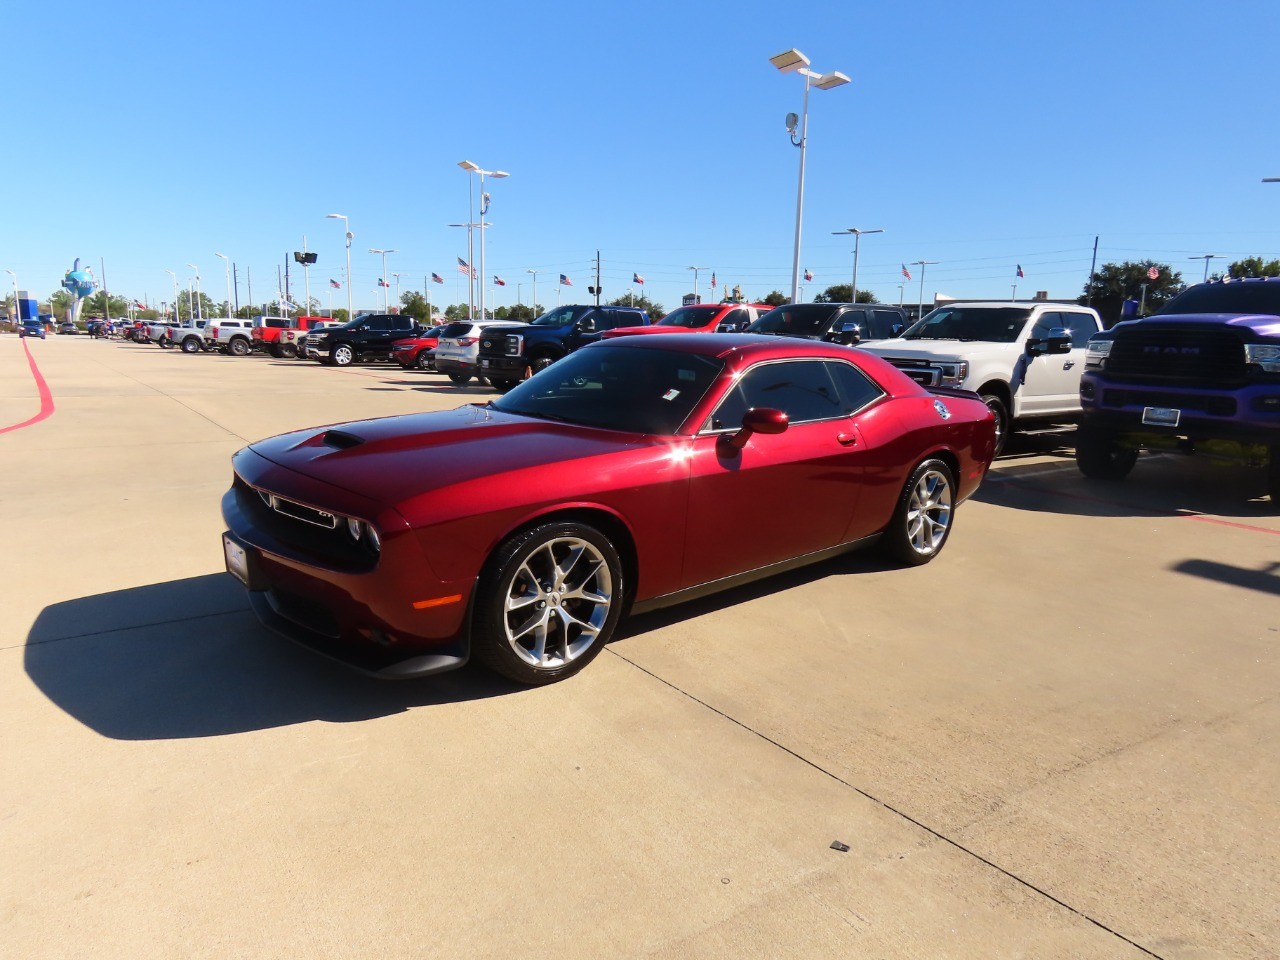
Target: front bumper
447	365
511	366
361	615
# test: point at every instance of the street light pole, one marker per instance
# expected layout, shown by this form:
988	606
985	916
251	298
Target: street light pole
397	276
484	208
176	295
12	319
227	263
346	226
385	285
921	264
695	270
534	305
1206	257
857	235
195	316
793	61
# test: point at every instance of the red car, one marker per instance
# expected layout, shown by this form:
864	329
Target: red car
698	318
417	351
632	474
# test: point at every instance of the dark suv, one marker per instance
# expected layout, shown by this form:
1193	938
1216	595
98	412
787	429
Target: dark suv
1200	376
846	323
509	353
367	337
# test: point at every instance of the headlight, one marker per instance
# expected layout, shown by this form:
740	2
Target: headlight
361	531
355	528
375	539
1097	352
1265	355
954	374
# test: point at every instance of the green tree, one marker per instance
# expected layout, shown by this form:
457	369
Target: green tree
414	304
839	293
519	312
1115	283
95	305
655	310
455	312
775	299
1254	267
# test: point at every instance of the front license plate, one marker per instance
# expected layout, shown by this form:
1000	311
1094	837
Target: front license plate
237	560
484	363
1161	416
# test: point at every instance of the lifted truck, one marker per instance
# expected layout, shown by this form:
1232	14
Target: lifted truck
270	336
1202	375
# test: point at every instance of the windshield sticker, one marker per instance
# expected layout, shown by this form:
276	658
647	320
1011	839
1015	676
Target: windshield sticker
671	394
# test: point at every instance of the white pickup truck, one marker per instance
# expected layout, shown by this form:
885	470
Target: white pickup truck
229	336
1024	358
189	335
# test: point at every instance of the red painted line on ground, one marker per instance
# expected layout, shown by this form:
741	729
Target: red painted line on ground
1231	523
46	395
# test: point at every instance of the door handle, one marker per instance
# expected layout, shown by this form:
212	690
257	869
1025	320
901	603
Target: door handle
847	439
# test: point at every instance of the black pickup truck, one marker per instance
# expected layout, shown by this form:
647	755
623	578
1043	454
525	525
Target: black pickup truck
508	354
367	337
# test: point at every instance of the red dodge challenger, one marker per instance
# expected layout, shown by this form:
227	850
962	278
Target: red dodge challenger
633	474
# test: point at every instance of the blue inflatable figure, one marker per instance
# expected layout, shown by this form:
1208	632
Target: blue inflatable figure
80	284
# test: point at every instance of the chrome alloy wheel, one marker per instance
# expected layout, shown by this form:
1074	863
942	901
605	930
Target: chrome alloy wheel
929	512
557	602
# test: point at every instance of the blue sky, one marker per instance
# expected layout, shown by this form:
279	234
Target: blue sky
980	135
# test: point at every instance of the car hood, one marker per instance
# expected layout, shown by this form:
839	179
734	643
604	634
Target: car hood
1265	324
393	458
938	349
632	331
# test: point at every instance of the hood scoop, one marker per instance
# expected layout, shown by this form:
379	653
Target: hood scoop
340	439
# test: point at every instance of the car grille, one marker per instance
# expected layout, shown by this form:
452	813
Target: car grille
1178	353
500	344
1200	403
319	535
918	370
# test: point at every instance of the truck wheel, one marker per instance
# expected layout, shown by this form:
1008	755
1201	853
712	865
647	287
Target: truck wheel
998	409
922	521
502	386
538	364
191	345
165	343
239	347
459	378
1099	456
342	355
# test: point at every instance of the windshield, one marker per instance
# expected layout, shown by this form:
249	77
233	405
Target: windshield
992	324
689	317
638	390
795	320
559	317
1242	297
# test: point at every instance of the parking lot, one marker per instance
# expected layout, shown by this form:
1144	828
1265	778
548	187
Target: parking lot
1058	740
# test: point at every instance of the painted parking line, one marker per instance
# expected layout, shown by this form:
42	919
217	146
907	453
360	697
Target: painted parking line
1231	523
46	395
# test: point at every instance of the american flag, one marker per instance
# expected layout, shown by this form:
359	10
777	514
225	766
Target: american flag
905	272
565	281
636	278
713	280
1153	273
464	267
383	283
335	284
498	281
1020	273
139	306
807	276
437	278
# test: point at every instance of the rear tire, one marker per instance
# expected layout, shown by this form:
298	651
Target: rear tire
548	602
921	523
288	351
191	345
1099	456
459	378
238	347
1001	412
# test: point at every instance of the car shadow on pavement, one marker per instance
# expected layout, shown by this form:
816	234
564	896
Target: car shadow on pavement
189	659
1264	580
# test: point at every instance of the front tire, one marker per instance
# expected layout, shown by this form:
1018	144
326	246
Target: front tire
548	603
921	523
423	360
1100	457
342	355
538	364
1000	411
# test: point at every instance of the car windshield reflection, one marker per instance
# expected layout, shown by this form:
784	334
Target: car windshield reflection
991	324
632	389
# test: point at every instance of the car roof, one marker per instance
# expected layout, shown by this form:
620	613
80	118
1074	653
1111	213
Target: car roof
1016	304
749	347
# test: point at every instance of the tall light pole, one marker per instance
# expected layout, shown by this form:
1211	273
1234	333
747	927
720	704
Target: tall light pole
484	208
696	298
346	226
1206	257
226	262
176	295
12	318
535	292
793	61
921	264
385	285
397	276
857	235
196	308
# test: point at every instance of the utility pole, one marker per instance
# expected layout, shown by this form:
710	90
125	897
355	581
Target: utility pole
248	283
1088	297
235	277
597	278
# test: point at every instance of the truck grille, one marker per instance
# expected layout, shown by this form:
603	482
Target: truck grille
501	345
1178	353
921	371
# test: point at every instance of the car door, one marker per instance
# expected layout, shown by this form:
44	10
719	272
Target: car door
1051	382
781	496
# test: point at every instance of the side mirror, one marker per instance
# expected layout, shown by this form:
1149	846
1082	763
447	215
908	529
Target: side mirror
756	420
896	330
1058	341
588	325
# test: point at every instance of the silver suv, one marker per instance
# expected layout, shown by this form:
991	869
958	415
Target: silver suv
458	346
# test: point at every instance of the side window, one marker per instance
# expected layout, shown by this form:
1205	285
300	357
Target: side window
802	389
883	323
379	322
841	319
739	318
1081	326
856	388
402	323
1046	324
591	321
